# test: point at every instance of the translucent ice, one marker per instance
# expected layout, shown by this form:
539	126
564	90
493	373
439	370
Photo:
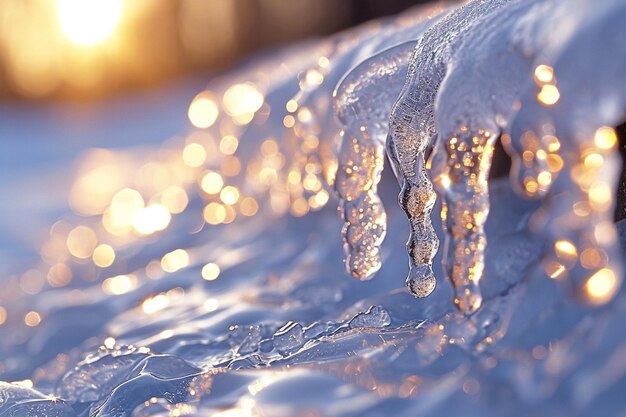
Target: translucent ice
98	374
375	316
251	341
17	401
458	100
289	338
543	76
412	134
363	100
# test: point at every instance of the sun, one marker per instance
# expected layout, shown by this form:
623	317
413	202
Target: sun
89	22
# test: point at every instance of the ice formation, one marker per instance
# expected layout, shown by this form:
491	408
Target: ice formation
220	300
473	77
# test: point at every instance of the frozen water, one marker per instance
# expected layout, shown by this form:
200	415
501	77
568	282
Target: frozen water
412	131
375	316
226	295
288	338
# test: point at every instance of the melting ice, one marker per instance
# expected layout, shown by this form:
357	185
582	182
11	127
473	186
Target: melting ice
206	277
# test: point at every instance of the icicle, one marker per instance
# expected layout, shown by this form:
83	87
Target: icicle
362	100
412	131
465	208
470	116
365	96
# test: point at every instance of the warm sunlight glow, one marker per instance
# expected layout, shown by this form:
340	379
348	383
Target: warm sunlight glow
211	182
81	242
175	199
210	271
109	342
601	286
605	138
203	111
153	304
241	101
544	74
565	249
32	319
120	284
89	22
103	256
554	269
548	95
175	260
194	155
118	217
248	206
229	195
151	219
214	213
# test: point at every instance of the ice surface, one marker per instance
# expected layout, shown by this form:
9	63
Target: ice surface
375	316
240	306
288	338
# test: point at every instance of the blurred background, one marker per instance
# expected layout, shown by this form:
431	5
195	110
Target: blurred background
80	79
88	49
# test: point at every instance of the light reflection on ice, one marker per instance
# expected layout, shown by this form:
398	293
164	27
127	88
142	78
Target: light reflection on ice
204	275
